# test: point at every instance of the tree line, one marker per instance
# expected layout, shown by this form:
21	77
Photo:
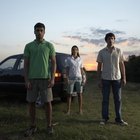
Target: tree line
133	68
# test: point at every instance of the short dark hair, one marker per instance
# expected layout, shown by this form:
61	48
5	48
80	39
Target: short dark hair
109	35
39	25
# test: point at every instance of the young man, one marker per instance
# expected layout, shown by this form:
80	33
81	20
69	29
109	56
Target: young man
39	57
111	71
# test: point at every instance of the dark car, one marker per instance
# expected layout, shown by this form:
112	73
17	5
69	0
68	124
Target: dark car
12	76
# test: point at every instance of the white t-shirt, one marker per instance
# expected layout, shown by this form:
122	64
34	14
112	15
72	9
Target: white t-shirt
74	66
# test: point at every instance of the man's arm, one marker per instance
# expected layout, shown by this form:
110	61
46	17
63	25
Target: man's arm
26	71
53	70
99	71
99	67
123	74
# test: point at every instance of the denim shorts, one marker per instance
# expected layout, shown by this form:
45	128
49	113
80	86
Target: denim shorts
74	85
39	87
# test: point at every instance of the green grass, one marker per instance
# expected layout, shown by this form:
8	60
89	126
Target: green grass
14	117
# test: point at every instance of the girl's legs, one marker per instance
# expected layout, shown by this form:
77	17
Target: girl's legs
80	101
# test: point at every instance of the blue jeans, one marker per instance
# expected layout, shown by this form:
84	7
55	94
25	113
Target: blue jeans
116	89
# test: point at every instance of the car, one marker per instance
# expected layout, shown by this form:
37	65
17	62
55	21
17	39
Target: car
12	76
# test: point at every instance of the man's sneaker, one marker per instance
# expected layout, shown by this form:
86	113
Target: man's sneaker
103	122
123	123
30	131
50	130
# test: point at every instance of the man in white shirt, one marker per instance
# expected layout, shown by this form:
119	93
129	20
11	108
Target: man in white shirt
111	72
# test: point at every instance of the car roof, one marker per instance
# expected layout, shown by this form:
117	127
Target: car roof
21	55
57	53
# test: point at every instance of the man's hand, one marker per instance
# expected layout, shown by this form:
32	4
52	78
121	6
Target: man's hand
124	81
51	83
100	83
28	85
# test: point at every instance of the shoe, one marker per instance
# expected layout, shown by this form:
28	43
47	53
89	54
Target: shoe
30	131
123	123
50	130
103	122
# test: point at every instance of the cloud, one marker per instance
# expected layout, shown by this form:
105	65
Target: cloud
121	20
101	32
121	40
134	52
133	41
92	35
98	42
59	44
96	37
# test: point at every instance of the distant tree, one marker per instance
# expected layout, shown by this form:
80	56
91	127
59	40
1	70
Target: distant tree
133	68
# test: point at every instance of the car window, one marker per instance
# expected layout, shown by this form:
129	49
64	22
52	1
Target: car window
21	64
8	64
60	58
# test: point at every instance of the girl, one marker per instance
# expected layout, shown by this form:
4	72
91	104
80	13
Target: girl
75	77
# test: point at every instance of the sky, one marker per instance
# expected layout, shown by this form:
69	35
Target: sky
71	22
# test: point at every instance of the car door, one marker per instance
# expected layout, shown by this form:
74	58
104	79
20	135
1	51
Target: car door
19	75
7	68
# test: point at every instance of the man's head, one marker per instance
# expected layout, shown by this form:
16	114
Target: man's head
39	30
110	39
108	35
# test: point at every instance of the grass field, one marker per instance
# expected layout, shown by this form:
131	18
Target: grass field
14	117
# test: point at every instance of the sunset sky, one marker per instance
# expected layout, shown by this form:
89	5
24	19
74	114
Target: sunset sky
71	22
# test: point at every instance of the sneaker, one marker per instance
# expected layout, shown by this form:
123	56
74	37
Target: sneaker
123	123
103	122
30	131
50	130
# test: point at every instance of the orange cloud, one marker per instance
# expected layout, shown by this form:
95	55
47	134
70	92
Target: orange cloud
89	61
90	66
